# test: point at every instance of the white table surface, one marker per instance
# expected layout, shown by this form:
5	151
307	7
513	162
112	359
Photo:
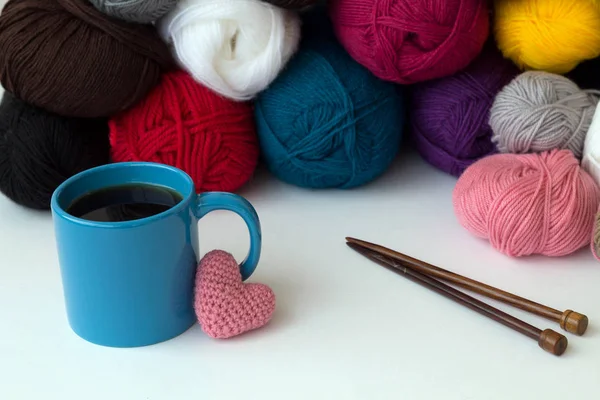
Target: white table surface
344	328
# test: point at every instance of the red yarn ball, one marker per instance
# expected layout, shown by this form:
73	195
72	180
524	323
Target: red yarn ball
409	41
183	124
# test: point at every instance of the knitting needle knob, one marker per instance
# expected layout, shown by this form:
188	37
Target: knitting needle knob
553	342
573	322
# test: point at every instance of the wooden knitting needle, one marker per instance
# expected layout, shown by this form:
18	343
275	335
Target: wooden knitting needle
568	320
549	340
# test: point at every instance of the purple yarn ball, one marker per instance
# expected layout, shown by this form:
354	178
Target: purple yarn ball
449	117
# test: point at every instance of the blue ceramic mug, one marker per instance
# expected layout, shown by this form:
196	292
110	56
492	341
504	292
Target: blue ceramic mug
131	283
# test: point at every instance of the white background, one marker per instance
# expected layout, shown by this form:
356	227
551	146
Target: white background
344	328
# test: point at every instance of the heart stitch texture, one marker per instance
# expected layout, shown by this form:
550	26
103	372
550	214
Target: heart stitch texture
224	305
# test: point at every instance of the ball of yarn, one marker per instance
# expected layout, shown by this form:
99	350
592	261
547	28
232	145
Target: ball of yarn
549	35
141	11
68	58
527	204
450	116
409	41
539	111
183	124
595	245
234	47
40	150
591	149
326	121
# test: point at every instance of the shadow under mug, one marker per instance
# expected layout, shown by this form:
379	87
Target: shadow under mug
131	283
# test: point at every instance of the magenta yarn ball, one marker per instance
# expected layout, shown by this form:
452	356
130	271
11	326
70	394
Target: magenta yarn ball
409	41
449	117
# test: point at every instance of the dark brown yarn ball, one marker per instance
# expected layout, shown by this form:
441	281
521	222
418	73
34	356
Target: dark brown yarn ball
293	4
69	58
40	150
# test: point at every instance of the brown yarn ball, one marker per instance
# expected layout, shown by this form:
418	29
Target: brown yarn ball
40	150
66	57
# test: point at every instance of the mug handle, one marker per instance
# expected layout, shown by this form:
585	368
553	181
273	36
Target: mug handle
212	201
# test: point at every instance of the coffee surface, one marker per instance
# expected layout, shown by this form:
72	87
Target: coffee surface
124	203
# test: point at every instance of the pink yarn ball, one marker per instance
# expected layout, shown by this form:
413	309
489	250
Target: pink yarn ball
528	203
409	41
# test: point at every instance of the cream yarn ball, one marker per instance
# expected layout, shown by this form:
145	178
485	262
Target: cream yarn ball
591	150
234	47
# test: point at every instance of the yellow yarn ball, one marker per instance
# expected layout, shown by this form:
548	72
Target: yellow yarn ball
548	35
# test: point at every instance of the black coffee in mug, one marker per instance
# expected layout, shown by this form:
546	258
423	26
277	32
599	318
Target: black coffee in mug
124	203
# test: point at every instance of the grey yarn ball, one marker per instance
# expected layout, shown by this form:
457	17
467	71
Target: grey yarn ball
540	111
140	11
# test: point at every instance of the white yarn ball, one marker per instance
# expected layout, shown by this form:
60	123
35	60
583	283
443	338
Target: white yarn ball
234	47
591	149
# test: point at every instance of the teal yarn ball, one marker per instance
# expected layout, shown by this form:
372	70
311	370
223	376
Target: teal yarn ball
326	121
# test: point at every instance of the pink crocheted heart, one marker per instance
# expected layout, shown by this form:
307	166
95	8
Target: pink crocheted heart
225	306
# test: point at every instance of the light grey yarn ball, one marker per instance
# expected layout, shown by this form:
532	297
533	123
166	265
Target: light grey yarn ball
140	11
539	111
